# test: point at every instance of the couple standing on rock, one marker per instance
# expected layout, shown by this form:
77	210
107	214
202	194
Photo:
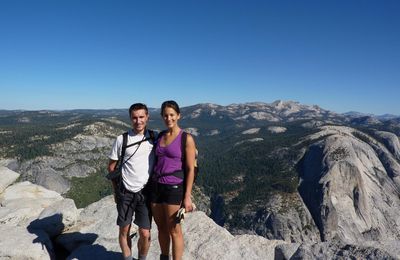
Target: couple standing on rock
156	180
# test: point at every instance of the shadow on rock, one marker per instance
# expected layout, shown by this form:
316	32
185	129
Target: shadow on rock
52	225
44	229
97	252
73	245
69	242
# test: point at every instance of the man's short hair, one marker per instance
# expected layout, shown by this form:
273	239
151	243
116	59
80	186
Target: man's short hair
138	106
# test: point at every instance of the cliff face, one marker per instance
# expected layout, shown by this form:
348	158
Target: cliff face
350	184
78	157
285	217
349	190
37	223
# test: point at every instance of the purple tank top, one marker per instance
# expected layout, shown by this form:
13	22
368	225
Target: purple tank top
169	160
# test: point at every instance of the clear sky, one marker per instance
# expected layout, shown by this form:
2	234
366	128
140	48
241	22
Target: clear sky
343	55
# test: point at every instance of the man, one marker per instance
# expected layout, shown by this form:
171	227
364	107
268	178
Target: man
129	189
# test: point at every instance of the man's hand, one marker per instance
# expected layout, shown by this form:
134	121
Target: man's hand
115	198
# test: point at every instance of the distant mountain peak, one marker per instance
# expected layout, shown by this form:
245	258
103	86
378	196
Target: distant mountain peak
281	102
209	105
356	114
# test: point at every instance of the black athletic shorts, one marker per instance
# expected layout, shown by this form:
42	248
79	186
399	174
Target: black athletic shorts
166	193
133	203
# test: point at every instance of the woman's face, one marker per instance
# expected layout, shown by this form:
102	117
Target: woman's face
170	117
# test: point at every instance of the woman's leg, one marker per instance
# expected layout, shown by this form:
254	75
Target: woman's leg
163	234
175	230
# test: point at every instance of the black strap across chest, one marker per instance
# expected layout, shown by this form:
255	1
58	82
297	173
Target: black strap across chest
125	145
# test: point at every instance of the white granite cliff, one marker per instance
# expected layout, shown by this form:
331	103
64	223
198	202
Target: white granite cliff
34	220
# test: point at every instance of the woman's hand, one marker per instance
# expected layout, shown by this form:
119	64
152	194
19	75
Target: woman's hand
187	204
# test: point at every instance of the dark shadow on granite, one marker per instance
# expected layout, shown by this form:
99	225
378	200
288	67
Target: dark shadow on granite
74	245
97	252
44	228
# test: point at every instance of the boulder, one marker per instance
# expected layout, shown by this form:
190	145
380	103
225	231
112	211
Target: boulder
23	202
7	177
95	224
57	217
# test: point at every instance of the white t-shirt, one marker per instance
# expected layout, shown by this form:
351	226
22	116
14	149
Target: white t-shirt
136	171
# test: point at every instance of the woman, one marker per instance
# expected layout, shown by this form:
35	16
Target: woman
172	181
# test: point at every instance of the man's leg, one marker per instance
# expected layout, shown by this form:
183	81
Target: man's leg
125	213
143	218
143	243
125	241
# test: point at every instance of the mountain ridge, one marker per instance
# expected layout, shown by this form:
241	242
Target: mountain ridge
277	103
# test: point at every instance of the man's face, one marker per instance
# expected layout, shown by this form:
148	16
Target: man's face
139	120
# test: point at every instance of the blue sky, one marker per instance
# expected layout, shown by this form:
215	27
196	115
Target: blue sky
343	55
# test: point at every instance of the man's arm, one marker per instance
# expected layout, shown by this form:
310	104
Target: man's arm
111	167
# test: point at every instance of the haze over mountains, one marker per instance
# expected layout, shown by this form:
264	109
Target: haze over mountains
285	171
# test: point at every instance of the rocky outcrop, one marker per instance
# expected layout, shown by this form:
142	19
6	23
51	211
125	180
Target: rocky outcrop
80	156
44	219
213	132
23	202
252	140
391	141
276	129
349	182
27	219
251	131
285	218
7	177
42	222
96	234
339	250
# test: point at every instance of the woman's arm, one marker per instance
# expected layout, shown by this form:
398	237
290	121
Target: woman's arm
190	153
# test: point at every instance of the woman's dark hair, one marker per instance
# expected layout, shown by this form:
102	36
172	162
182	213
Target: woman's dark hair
172	104
138	106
